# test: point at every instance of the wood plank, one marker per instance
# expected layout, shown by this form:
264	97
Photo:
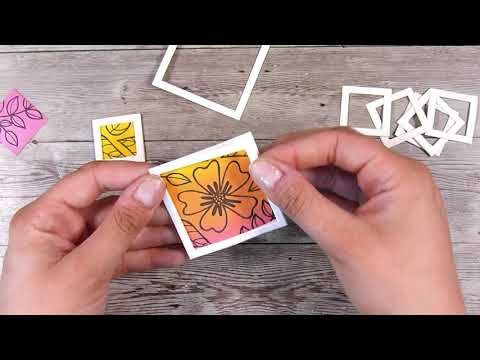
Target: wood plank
51	48
41	165
290	234
282	272
298	88
254	279
463	210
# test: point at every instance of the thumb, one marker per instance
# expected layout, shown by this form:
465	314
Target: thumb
104	249
324	221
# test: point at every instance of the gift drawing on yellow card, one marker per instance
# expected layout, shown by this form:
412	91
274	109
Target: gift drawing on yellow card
212	199
119	138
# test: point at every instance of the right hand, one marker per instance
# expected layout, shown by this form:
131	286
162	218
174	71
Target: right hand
378	215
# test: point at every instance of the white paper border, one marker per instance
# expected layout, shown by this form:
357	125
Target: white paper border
470	121
235	114
136	120
454	124
244	142
416	108
384	129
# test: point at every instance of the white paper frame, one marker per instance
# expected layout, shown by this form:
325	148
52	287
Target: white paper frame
384	129
233	113
416	109
136	120
454	124
470	121
244	142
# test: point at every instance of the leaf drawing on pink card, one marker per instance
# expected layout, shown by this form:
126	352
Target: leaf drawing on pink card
12	106
19	121
11	137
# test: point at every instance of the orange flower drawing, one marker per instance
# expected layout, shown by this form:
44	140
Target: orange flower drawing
218	195
217	199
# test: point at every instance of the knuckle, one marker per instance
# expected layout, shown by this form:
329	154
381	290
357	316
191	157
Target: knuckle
127	219
18	217
91	166
295	201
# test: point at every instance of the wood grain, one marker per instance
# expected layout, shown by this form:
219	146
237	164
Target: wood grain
282	272
255	279
56	48
298	88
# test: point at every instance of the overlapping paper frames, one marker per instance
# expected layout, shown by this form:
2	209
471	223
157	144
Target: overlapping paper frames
407	131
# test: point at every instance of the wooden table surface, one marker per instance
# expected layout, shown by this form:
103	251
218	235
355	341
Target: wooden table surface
299	87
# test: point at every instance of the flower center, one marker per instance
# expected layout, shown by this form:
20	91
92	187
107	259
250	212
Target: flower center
218	199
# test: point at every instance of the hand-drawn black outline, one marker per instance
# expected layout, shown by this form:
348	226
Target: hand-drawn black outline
114	127
187	224
253	187
235	154
267	210
218	195
256	221
13	113
176	176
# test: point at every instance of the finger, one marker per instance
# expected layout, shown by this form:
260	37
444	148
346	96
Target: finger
335	180
96	213
377	168
93	179
104	249
345	204
150	259
323	220
155	236
287	138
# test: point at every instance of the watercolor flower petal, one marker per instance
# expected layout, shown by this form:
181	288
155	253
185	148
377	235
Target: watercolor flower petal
194	202
245	208
207	175
217	222
235	177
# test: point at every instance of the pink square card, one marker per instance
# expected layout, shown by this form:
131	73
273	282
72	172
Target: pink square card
19	121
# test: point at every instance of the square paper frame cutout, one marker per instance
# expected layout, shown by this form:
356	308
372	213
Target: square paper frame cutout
470	121
416	108
454	124
233	113
384	129
136	120
245	143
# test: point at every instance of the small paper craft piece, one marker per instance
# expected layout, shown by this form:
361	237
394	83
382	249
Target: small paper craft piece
384	129
19	121
233	113
454	124
470	121
213	200
119	138
415	109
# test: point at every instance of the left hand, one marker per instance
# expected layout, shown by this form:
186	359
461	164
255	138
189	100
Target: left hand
66	246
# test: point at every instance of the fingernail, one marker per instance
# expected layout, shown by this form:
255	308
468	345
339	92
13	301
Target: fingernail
150	192
265	173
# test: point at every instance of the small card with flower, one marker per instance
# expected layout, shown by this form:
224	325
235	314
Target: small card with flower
212	199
